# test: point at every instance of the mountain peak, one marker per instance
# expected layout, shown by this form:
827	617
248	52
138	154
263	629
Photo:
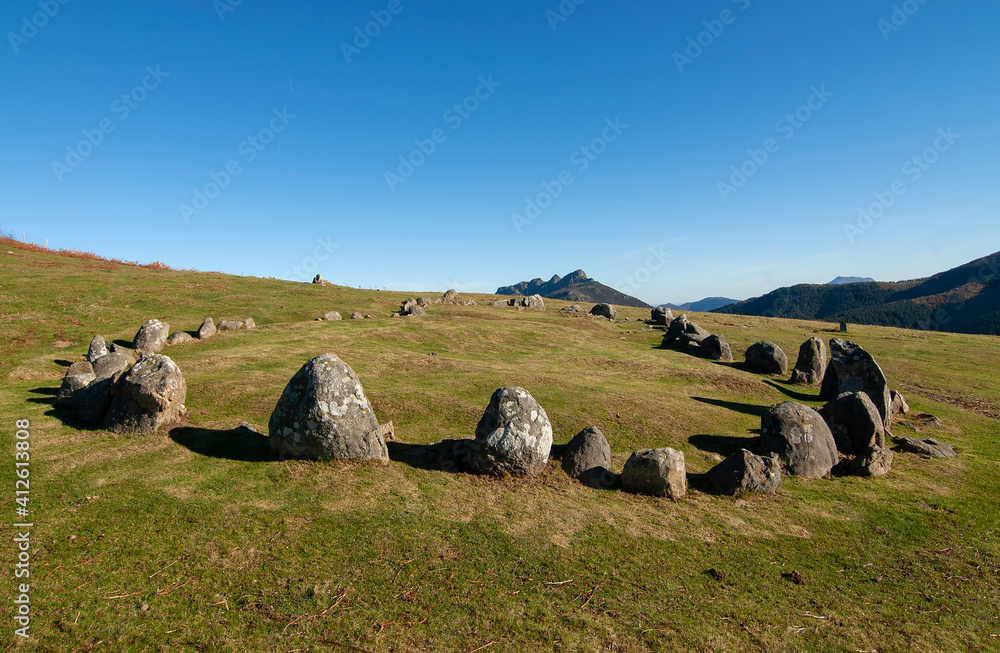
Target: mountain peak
574	287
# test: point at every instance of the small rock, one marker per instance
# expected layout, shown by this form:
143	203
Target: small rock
207	329
660	472
587	458
127	353
248	323
179	338
745	472
928	447
231	325
332	316
794	577
897	404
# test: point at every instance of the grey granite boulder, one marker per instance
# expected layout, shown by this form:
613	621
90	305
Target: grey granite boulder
811	363
332	316
587	458
179	338
605	310
745	472
97	349
660	472
716	348
767	358
78	376
230	325
323	413
110	366
854	422
450	296
514	435
207	329
661	316
928	447
852	369
152	336
799	435
150	396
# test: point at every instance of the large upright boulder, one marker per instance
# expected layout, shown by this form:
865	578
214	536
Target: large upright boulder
97	349
799	435
152	336
852	369
605	310
450	297
854	422
534	302
324	413
746	472
767	358
587	458
148	398
660	472
513	437
811	363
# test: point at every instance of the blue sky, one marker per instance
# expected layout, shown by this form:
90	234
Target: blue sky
626	126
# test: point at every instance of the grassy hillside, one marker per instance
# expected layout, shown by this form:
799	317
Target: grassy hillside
196	540
965	299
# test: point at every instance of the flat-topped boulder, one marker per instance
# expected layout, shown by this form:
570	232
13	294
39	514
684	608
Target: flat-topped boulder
744	472
323	413
150	396
659	472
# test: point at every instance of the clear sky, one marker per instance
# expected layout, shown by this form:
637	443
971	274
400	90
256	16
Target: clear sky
673	150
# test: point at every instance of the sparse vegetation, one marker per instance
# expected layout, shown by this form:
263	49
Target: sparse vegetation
198	540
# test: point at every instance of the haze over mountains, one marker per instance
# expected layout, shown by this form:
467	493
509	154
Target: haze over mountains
965	299
574	287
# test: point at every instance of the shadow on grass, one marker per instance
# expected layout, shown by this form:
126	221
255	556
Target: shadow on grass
62	363
748	409
724	445
418	456
127	344
48	396
780	386
241	443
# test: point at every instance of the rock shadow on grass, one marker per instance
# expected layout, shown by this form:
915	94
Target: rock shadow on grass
802	397
240	444
724	445
748	409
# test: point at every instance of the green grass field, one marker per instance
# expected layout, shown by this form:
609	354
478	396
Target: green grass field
196	540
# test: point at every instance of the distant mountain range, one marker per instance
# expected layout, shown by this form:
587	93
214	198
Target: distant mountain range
574	287
842	280
965	299
702	305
